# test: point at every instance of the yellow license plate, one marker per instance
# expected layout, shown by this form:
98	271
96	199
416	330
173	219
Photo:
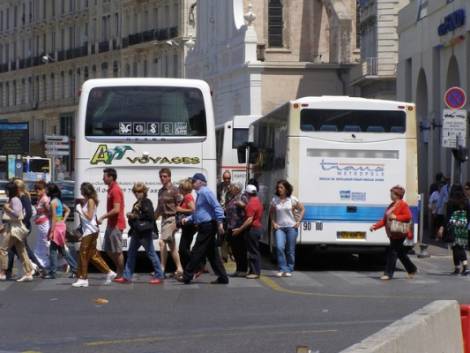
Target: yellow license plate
351	235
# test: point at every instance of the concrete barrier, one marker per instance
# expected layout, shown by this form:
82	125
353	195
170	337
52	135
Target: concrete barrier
436	328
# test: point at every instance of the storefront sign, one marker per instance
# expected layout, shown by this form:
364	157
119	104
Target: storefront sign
451	22
14	138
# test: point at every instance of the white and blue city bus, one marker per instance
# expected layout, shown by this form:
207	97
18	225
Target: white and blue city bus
342	156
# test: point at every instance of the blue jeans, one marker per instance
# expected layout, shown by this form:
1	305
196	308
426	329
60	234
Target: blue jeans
53	250
285	248
147	242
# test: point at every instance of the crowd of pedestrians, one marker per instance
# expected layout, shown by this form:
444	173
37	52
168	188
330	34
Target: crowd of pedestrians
226	224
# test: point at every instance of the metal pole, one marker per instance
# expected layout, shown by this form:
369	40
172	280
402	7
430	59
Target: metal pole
422	247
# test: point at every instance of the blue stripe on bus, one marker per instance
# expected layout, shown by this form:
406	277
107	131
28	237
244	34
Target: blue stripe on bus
340	213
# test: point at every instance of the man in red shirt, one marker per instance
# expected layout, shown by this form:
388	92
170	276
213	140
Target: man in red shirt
252	229
116	221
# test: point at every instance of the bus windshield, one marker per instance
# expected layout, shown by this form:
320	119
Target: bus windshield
336	120
145	111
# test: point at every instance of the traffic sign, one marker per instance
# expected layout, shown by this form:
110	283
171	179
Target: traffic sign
454	128
455	98
57	153
57	138
57	146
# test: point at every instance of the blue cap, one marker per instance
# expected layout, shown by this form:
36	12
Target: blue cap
199	176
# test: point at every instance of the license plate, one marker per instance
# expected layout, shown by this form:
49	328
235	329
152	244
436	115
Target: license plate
351	235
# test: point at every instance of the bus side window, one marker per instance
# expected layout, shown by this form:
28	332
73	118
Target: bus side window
375	128
307	127
352	128
397	129
328	127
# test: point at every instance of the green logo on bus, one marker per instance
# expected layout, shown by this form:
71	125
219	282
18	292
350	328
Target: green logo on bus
106	156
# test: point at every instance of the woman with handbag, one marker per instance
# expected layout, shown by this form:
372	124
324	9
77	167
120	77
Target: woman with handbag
456	232
142	222
397	225
59	213
25	199
89	234
14	234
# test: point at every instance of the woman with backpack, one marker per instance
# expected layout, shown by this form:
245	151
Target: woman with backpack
396	222
142	222
456	232
89	229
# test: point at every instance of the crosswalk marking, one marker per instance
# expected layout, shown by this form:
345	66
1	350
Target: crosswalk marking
300	279
53	285
354	278
174	285
4	285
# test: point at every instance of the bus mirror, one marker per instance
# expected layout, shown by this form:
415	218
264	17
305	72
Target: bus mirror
241	154
253	155
460	154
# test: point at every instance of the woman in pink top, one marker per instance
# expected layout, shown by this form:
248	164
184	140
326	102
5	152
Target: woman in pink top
41	249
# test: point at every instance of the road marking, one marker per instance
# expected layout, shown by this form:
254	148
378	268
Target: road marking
354	278
53	285
232	332
300	279
174	285
243	283
278	288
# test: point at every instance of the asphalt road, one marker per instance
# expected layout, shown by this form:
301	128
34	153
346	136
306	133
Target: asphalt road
331	303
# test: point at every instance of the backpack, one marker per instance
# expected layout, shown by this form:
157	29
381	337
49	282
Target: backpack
457	226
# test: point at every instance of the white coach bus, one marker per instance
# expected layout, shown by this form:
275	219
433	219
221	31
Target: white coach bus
229	137
342	156
138	126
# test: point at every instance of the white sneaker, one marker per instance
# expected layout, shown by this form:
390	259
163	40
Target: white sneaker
287	274
279	274
35	268
3	277
25	278
109	277
80	283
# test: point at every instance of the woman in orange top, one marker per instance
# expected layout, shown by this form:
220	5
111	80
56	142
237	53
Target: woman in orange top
400	211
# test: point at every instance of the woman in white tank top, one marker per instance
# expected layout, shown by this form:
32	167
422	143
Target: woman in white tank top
90	229
286	214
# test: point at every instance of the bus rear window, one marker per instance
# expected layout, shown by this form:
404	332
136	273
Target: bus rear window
369	121
146	111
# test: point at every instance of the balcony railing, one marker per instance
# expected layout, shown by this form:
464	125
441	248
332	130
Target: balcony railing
103	46
150	35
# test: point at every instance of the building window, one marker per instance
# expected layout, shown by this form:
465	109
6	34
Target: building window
8	18
52	87
275	24
422	9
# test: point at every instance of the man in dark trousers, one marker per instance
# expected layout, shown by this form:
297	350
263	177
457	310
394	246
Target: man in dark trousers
209	217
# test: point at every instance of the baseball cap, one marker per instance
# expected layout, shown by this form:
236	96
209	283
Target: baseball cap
199	176
250	189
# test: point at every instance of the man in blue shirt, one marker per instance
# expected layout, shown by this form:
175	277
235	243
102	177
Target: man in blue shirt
209	217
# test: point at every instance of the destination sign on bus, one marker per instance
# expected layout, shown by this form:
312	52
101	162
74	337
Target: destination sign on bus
107	155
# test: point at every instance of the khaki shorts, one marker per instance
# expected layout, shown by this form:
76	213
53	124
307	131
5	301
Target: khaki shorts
112	240
168	229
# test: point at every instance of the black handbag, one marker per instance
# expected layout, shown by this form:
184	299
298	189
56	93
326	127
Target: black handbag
142	225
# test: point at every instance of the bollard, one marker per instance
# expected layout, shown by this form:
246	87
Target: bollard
465	317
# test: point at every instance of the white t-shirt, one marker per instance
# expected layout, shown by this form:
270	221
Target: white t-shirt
88	227
285	211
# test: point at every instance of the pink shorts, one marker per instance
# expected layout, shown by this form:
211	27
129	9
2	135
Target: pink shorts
58	236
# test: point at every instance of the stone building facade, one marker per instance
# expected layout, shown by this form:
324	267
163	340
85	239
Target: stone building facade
434	56
48	48
259	54
375	76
